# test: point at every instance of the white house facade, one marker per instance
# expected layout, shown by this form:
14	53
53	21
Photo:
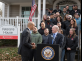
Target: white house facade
13	9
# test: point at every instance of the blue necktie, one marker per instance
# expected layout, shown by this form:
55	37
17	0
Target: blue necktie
53	38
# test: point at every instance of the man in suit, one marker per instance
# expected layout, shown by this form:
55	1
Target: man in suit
55	37
25	44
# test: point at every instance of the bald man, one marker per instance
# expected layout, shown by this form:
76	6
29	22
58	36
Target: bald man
25	43
55	37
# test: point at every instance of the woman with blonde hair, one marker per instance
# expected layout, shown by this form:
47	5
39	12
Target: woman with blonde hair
44	18
71	44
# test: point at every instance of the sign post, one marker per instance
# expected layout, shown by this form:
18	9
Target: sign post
10	32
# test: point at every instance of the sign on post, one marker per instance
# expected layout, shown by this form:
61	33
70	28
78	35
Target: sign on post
8	32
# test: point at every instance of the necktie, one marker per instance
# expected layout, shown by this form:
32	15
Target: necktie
53	38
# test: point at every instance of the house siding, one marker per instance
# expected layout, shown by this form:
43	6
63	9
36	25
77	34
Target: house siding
6	10
14	10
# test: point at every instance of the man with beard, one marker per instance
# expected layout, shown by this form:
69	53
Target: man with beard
75	10
49	25
37	39
63	13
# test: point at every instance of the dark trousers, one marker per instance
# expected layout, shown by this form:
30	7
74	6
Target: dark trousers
33	54
70	56
24	58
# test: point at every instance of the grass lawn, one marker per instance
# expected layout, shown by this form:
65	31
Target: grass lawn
9	54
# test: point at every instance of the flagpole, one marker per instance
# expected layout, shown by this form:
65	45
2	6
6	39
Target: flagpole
35	1
33	8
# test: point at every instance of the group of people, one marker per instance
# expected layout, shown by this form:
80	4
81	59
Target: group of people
57	27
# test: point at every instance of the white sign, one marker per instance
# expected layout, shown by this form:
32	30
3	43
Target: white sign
8	30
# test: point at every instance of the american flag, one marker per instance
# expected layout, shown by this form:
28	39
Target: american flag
33	8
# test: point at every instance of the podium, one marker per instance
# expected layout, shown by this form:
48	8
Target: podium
47	52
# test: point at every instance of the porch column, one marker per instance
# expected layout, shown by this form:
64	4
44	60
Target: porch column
39	13
44	7
8	10
3	9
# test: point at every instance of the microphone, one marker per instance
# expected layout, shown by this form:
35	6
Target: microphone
52	36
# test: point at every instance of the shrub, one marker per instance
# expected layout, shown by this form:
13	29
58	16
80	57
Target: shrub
8	42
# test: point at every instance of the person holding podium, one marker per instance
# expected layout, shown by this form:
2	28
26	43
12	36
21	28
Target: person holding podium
55	37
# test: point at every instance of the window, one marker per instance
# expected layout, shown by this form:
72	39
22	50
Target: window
61	7
26	11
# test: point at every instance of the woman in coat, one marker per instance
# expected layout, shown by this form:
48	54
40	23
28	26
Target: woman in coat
71	44
59	19
73	24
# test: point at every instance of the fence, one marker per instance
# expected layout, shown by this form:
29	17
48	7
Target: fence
18	20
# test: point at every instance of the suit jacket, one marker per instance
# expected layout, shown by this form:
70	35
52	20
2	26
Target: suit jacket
58	39
25	43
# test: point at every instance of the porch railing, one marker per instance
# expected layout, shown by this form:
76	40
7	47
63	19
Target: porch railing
17	20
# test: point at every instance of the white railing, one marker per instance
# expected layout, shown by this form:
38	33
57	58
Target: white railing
18	20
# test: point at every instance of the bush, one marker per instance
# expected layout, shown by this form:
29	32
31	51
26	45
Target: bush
8	42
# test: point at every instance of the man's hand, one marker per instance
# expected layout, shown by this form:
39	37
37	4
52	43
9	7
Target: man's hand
68	48
33	46
32	43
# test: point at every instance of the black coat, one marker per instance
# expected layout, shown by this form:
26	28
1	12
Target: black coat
64	31
58	39
67	23
44	39
68	29
62	24
49	13
64	42
41	31
68	11
60	11
54	20
71	43
49	26
25	43
41	22
72	12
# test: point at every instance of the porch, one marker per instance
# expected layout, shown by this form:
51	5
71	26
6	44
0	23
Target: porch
15	21
21	8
